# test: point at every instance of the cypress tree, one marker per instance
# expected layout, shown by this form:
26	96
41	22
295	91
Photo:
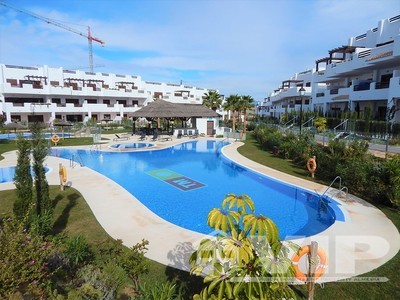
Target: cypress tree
23	179
44	207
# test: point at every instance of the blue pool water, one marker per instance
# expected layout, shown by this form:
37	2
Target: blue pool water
7	174
13	136
132	145
183	183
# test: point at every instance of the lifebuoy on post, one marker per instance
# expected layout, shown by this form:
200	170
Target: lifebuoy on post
319	271
55	138
312	165
62	172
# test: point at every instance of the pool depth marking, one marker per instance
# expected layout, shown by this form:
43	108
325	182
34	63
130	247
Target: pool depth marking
177	180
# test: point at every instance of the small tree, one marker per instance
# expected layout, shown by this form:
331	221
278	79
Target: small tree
246	260
44	209
320	124
24	258
393	188
23	179
212	100
231	105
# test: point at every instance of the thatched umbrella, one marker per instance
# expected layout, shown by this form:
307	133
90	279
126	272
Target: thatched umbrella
169	110
62	124
15	125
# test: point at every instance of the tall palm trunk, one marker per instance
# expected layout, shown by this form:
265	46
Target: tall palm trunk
233	121
244	121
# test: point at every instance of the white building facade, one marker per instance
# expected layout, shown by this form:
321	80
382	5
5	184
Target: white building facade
364	73
45	94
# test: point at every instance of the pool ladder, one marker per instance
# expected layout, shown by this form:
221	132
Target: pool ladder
219	144
73	161
340	191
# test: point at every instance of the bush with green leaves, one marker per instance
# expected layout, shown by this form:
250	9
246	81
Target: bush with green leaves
246	259
24	258
392	171
159	291
103	282
23	179
39	153
77	250
365	175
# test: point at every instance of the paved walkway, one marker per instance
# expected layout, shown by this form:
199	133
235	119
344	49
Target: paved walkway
366	240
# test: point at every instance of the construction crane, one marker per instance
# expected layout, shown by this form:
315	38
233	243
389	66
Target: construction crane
89	36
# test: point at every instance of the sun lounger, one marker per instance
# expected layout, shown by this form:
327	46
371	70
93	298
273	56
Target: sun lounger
165	138
155	136
123	137
179	136
195	134
142	136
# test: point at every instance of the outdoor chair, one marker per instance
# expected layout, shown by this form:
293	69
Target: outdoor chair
155	136
195	134
124	137
142	136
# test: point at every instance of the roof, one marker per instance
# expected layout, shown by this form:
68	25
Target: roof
165	109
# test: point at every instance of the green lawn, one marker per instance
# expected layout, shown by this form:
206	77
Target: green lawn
73	215
339	290
9	145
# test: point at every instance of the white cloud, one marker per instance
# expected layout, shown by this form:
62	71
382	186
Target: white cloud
245	47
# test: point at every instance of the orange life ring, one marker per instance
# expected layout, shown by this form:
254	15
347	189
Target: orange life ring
55	138
320	269
311	165
63	174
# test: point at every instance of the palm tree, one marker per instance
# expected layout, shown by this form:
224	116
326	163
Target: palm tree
246	250
245	103
212	99
231	104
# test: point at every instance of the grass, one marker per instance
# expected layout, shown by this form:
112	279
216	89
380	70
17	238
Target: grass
340	290
10	145
7	145
74	216
71	213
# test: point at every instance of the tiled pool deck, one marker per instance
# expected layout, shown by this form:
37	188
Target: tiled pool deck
366	240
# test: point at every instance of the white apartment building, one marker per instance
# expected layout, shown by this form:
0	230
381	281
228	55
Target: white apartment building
364	73
45	94
287	97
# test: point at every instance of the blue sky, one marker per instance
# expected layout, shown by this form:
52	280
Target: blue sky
245	47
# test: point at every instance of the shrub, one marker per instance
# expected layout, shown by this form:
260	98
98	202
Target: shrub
23	179
99	283
392	168
159	291
246	250
77	250
24	258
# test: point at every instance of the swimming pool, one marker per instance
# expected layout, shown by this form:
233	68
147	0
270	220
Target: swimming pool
13	136
132	146
7	173
181	184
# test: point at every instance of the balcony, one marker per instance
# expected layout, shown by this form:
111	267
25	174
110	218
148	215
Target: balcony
334	91
382	85
362	86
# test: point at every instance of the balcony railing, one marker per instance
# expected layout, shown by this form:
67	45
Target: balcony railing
382	85
362	86
334	91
